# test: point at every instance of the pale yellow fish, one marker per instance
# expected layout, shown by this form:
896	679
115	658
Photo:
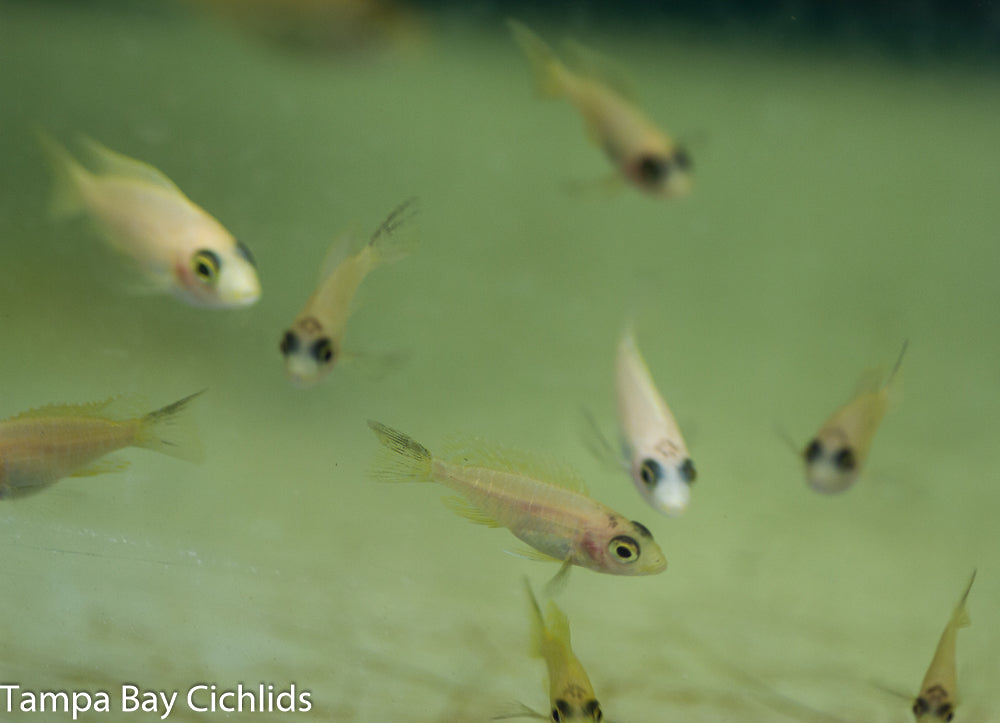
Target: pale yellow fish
938	693
835	456
42	446
556	519
178	247
644	155
313	344
658	458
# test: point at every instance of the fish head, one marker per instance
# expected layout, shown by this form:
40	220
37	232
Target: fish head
310	353
218	275
933	706
663	172
576	705
664	481
832	462
626	548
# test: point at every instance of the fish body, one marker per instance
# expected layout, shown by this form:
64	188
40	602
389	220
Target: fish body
559	522
658	459
176	245
938	692
312	346
42	446
836	455
644	155
571	695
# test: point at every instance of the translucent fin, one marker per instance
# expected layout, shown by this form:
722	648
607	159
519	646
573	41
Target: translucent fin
601	68
112	163
557	624
339	250
600	446
530	553
557	584
961	615
104	466
375	365
70	176
388	242
520	711
476	453
403	458
870	381
461	506
117	408
549	73
169	431
606	187
537	622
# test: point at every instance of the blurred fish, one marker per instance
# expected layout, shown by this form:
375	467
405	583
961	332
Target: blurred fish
938	693
571	696
312	346
41	446
643	154
838	451
658	459
554	516
179	248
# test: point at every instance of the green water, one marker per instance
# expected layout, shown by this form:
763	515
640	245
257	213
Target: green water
843	202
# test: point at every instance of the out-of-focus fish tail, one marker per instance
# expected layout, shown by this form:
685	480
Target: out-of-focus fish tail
549	72
395	238
404	459
537	622
170	431
67	198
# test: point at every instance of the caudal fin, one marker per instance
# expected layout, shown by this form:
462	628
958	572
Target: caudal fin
394	238
67	197
404	459
548	71
170	431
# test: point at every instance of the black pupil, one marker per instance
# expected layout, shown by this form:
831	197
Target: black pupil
688	472
653	170
555	715
624	552
813	451
650	471
844	460
322	351
207	264
289	343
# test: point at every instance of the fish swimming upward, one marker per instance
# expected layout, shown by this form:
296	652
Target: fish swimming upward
177	247
557	520
42	446
643	154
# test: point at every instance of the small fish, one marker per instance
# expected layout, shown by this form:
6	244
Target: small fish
571	696
658	459
312	346
838	451
178	247
40	447
937	698
643	154
501	489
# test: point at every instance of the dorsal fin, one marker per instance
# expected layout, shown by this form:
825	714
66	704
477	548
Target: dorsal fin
596	66
477	453
343	246
111	163
118	408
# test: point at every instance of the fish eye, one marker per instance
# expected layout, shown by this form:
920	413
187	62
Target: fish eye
556	718
593	710
687	471
844	460
322	351
653	170
682	159
243	250
205	265
920	706
289	343
813	451
560	709
624	548
650	472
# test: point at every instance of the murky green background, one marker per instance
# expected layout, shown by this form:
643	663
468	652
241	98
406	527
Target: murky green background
844	202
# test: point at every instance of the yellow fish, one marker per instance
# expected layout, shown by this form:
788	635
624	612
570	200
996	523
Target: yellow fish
836	454
937	698
557	520
658	459
178	247
312	346
643	154
40	447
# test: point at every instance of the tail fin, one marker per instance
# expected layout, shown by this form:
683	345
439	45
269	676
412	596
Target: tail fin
166	430
404	459
961	615
67	199
549	72
387	242
537	622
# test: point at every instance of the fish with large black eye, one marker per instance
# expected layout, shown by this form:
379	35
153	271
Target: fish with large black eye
835	456
312	345
642	153
657	456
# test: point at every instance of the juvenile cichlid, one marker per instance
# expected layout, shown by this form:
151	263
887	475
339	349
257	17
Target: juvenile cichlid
40	447
938	693
178	247
556	519
313	344
643	154
658	458
836	454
